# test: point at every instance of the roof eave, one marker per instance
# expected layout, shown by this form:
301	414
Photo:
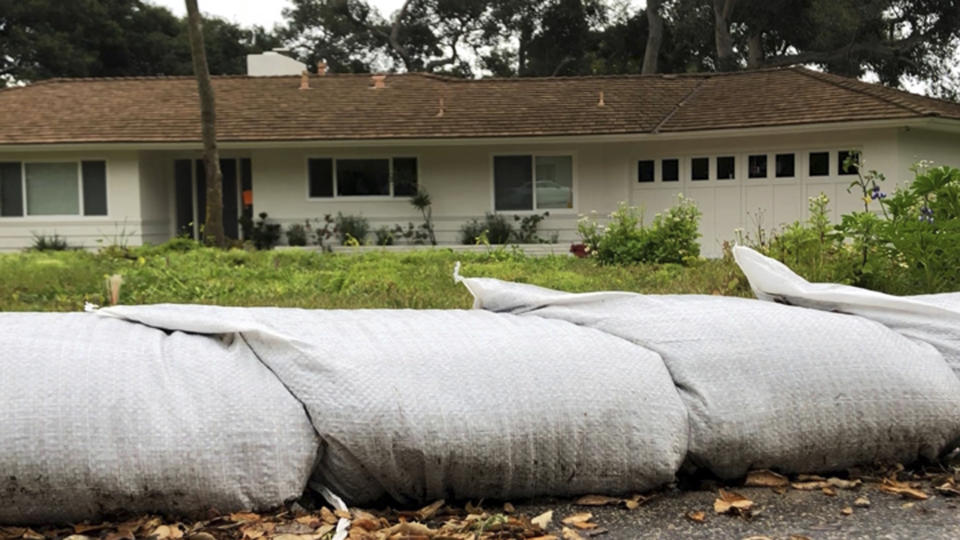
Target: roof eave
938	123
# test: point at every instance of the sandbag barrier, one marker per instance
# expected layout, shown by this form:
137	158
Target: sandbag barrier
181	408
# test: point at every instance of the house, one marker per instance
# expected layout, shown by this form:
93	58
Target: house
101	159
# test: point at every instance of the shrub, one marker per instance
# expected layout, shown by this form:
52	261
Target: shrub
53	242
495	228
297	235
324	233
671	238
352	227
264	234
384	236
422	202
527	233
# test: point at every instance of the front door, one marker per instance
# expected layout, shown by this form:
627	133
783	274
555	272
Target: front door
191	195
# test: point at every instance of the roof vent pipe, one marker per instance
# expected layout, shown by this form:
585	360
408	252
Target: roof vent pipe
601	103
441	110
305	80
378	81
322	68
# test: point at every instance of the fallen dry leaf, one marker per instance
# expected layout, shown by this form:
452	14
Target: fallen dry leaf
410	529
829	491
543	519
847	511
697	516
730	502
430	510
597	500
902	489
544	537
342	514
810	478
765	478
365	520
508	508
580	520
948	488
167	532
840	483
244	516
327	516
810	485
570	534
862	502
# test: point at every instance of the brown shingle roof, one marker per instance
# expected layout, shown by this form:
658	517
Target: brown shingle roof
165	109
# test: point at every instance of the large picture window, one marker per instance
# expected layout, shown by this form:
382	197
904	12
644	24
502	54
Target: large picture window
361	177
532	182
63	188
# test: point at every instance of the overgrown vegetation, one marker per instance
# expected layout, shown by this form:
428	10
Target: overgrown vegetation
352	230
905	243
184	271
264	233
52	242
670	238
496	229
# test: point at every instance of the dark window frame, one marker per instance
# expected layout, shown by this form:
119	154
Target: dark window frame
826	170
534	203
764	159
693	169
391	181
841	157
793	165
732	166
676	172
642	164
82	166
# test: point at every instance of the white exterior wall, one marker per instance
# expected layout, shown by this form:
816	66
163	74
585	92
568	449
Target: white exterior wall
460	181
459	178
123	205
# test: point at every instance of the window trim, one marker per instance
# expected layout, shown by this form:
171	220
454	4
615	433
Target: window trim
62	217
358	198
572	154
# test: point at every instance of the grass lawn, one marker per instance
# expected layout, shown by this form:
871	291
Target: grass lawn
64	280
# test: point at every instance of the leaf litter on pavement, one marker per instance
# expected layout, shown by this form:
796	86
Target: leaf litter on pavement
442	521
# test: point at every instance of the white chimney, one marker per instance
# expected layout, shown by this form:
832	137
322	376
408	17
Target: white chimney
273	63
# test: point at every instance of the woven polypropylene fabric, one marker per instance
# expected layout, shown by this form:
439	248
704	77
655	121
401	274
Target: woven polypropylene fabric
768	385
419	405
931	318
102	415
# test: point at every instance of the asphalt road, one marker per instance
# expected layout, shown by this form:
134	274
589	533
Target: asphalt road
802	514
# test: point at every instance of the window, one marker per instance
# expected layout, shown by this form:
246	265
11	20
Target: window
670	170
700	168
60	188
404	177
726	167
513	182
757	166
785	165
847	161
384	177
645	170
11	190
363	177
819	163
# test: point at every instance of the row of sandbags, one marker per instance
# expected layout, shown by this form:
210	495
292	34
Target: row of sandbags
185	408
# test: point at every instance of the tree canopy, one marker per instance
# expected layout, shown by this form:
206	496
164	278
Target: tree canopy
40	39
894	41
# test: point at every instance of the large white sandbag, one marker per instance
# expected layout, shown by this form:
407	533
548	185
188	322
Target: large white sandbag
768	385
419	405
101	415
931	318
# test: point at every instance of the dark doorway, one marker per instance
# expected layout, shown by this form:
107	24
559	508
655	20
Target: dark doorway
191	195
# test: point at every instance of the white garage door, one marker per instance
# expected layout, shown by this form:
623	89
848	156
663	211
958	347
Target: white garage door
750	190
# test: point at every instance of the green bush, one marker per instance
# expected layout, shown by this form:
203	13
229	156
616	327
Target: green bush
670	238
53	242
527	231
297	235
352	229
384	236
495	229
907	243
264	234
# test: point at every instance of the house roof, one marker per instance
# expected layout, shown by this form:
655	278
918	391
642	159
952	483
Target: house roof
345	107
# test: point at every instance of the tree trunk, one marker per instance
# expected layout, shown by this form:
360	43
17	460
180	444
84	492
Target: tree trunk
654	36
755	51
721	20
213	228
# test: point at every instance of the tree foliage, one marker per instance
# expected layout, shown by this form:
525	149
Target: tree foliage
40	39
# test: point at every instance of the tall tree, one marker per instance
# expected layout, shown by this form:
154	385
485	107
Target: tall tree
213	228
654	36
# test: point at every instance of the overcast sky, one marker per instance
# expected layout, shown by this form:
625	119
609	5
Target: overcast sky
267	12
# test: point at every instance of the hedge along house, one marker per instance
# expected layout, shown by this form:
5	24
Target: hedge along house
102	160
